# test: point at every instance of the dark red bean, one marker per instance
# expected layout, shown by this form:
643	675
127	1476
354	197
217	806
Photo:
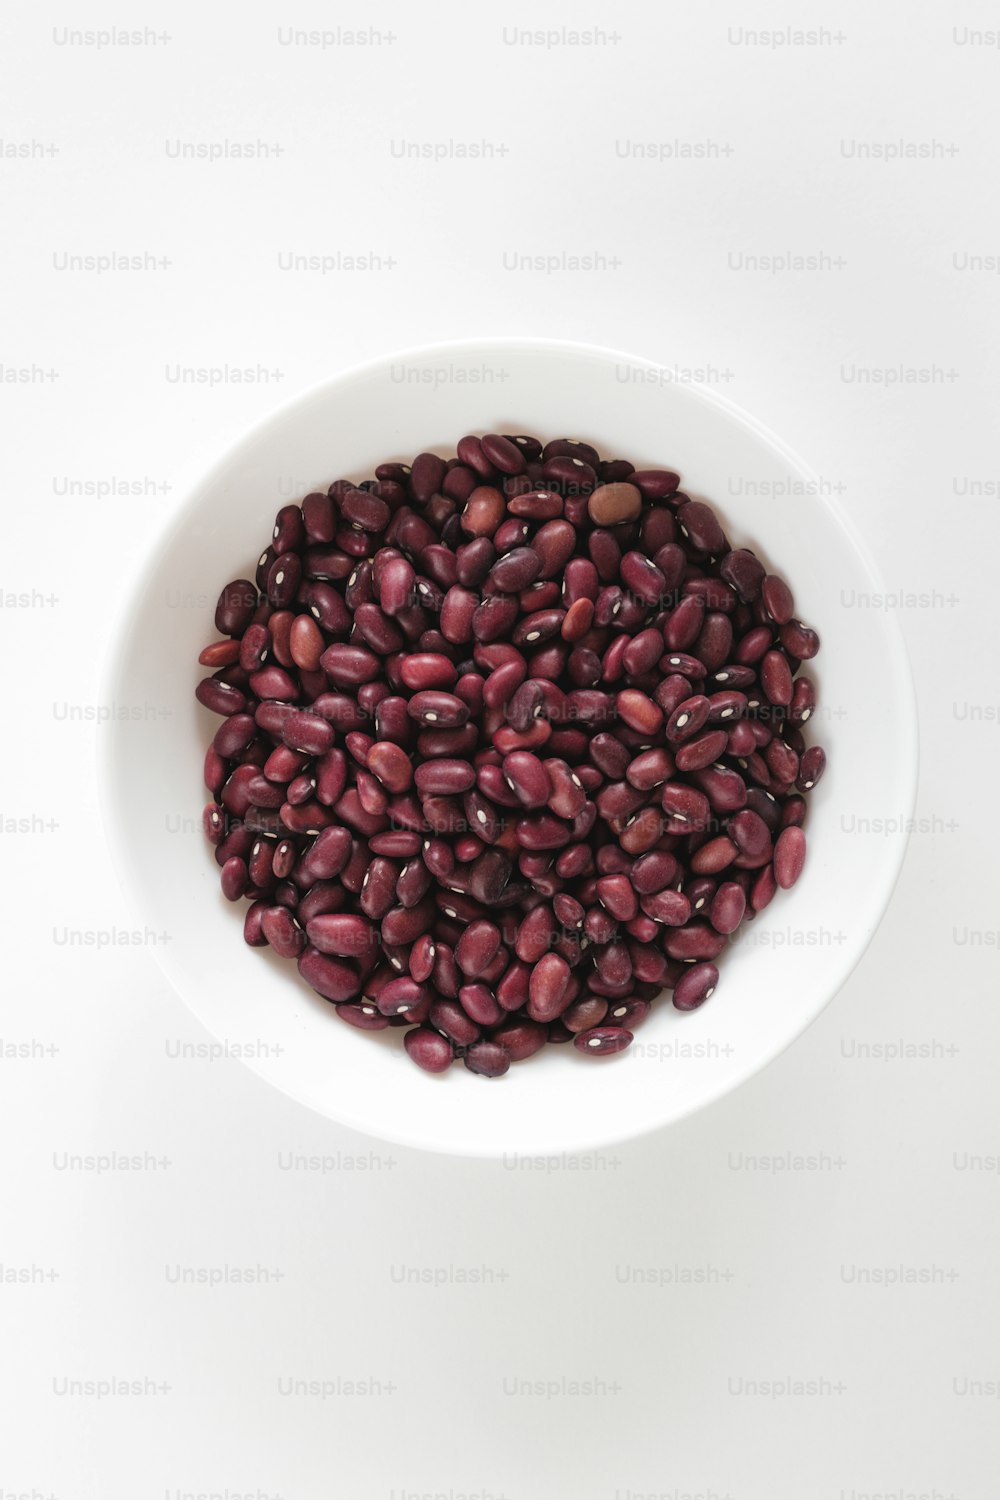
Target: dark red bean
714	856
547	987
283	932
776	678
750	834
700	752
220	697
236	607
744	572
477	948
253	931
811	768
699	525
319	517
778	600
527	778
348	666
728	907
235	878
671	908
695	986
308	733
438	710
221	654
602	1041
789	856
696	940
444	777
487	1058
764	889
342	935
799	640
429	1049
426	476
365	1017
395	581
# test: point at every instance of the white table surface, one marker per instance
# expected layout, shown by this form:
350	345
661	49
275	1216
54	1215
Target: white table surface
661	1320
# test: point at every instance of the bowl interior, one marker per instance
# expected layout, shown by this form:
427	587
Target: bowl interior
783	967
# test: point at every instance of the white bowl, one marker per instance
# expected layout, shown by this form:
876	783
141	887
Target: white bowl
787	964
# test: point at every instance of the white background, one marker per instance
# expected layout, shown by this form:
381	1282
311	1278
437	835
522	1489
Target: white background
665	1273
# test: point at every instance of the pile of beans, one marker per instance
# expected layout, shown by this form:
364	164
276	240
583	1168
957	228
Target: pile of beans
510	745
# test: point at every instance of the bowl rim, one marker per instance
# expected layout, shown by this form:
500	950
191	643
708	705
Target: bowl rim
202	467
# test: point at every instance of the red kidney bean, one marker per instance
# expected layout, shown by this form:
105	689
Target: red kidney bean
782	761
444	777
696	940
744	572
254	648
477	947
728	907
429	1049
253	931
319	517
686	808
488	1059
714	856
308	733
527	778
547	987
235	878
484	510
394	581
479	1005
698	524
655	484
438	709
777	599
789	856
638	711
700	752
324	896
615	504
628	1013
236	606
811	768
348	666
220	697
668	907
366	1017
602	1041
688	718
283	579
683	626
803	703
587	1012
282	931
654	872
342	935
288	534
214	823
776	677
642	577
448	1017
695	986
799	640
234	735
616	894
750	834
